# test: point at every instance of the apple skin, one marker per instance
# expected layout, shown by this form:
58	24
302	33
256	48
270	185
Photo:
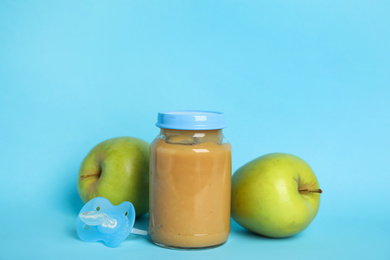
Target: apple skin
276	195
117	169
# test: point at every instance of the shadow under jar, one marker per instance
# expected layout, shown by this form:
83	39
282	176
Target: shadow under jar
190	181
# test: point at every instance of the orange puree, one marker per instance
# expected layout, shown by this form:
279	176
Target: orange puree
190	189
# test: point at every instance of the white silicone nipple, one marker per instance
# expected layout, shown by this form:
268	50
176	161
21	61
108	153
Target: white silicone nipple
94	218
139	232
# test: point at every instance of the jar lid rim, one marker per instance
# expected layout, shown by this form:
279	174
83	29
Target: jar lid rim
191	120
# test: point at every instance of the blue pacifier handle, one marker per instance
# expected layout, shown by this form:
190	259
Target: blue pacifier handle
99	220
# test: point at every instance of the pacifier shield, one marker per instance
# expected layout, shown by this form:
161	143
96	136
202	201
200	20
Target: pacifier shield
99	220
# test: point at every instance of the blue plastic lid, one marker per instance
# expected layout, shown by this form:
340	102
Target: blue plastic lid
191	120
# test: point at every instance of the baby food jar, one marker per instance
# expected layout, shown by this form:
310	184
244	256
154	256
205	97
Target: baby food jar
190	181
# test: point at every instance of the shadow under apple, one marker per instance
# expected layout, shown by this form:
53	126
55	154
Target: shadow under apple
236	229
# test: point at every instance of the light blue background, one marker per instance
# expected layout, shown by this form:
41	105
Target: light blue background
310	78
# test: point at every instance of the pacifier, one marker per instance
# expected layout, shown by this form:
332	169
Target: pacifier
99	220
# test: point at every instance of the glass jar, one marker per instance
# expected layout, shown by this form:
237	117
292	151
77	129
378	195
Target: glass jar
190	181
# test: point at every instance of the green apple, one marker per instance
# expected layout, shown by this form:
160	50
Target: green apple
275	195
117	169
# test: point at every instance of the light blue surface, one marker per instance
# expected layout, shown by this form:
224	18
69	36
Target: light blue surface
309	78
191	120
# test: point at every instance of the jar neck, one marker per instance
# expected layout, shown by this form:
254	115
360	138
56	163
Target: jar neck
192	136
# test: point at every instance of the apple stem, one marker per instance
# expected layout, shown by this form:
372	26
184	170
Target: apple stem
82	177
308	190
